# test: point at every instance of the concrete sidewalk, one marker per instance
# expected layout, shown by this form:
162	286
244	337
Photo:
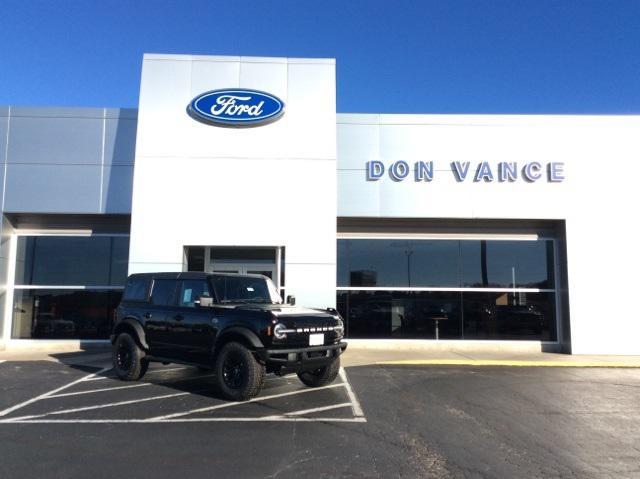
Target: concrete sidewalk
363	353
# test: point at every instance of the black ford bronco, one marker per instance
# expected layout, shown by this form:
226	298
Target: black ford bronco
233	324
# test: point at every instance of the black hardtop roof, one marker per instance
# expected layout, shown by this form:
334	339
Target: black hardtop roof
190	275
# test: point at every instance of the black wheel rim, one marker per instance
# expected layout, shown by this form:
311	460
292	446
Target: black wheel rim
124	357
233	371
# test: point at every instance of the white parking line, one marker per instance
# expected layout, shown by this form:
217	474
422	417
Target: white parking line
96	390
231	404
317	409
54	391
101	406
355	404
198	419
97	378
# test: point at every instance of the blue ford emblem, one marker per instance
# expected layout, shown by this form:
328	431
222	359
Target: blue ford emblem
239	107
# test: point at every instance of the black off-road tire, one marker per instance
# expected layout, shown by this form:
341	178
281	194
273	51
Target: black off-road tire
322	376
239	375
128	358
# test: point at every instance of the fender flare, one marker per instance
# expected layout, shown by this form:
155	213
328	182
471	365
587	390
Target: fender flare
251	337
137	327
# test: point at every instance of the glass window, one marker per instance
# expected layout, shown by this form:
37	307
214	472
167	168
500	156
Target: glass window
401	314
63	314
163	292
516	315
136	288
507	264
72	260
244	289
195	258
191	290
398	263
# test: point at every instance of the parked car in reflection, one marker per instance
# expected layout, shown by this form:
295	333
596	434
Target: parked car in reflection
47	324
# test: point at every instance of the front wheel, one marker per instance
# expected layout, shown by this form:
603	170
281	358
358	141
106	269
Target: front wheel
321	376
239	375
129	362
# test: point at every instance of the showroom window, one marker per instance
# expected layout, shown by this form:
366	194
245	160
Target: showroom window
447	289
67	287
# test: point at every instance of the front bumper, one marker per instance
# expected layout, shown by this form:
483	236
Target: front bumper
302	359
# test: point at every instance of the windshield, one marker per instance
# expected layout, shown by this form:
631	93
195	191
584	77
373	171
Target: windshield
245	289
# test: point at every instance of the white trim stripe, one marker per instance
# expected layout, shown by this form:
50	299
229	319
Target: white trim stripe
461	290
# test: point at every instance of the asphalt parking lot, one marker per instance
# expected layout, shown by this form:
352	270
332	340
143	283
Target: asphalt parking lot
60	420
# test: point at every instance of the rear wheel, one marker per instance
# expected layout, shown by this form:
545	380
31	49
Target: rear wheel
128	358
321	376
239	375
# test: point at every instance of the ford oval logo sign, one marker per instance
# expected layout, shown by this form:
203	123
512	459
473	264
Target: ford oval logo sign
237	107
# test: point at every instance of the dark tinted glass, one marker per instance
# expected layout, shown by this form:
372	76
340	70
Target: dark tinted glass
190	290
163	292
119	260
195	258
507	264
63	314
241	289
398	263
445	263
416	314
136	288
401	314
509	316
69	260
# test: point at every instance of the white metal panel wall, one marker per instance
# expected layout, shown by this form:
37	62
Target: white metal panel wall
273	185
597	199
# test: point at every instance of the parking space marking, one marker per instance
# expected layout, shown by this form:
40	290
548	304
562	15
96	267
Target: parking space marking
180	420
91	391
231	404
54	391
97	378
302	412
291	416
355	404
101	406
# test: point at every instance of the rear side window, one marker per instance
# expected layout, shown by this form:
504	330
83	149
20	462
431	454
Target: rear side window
136	288
163	292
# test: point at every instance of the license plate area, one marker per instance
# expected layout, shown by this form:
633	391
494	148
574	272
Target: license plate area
316	339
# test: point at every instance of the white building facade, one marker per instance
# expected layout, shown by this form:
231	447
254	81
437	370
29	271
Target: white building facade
486	228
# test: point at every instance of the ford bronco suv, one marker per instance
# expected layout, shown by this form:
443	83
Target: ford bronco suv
233	324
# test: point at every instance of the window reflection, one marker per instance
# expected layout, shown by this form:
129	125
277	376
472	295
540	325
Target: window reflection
400	314
457	315
63	314
509	316
445	263
72	260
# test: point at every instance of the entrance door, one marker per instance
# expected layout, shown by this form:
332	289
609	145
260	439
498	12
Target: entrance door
266	269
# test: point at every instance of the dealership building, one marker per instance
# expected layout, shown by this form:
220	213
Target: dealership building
496	230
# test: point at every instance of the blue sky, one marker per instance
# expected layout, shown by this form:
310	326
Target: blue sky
448	56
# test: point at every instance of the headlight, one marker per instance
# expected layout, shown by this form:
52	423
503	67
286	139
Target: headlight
279	331
339	327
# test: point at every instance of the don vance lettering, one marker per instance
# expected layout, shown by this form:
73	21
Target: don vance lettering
483	171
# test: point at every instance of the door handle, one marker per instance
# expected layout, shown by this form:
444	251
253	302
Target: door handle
178	317
148	315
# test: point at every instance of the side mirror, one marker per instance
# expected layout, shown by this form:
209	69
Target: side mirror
291	299
204	301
